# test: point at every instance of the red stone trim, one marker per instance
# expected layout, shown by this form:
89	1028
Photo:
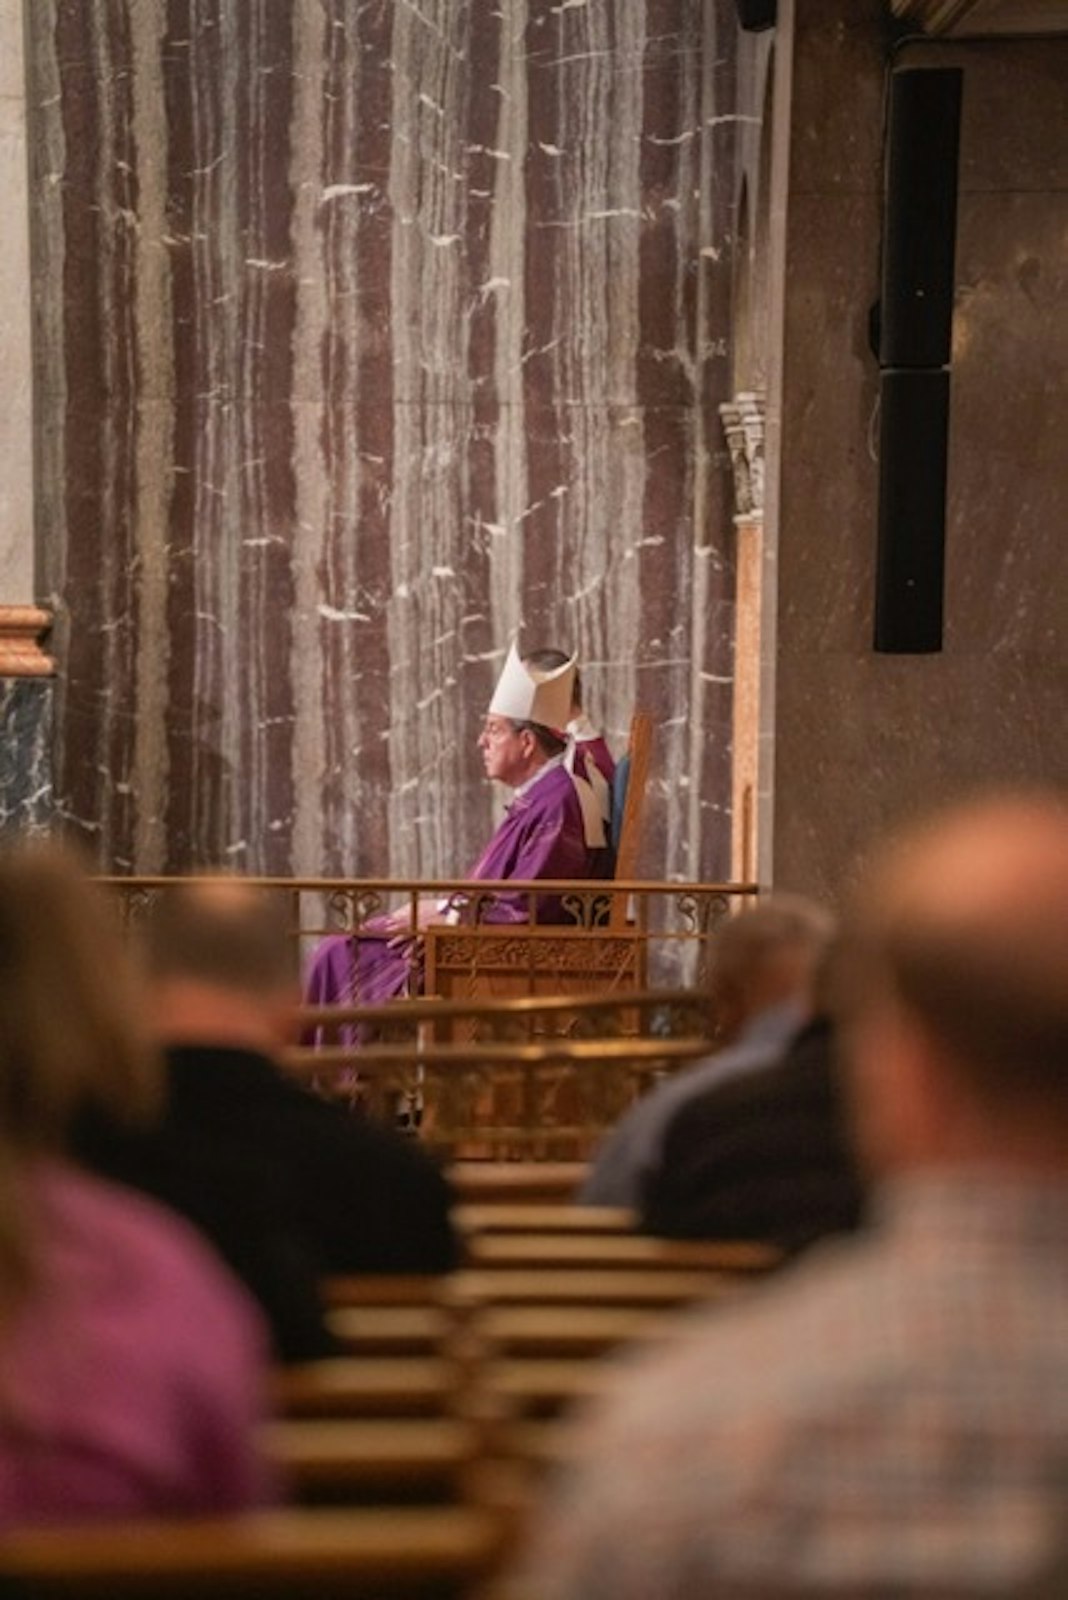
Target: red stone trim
21	655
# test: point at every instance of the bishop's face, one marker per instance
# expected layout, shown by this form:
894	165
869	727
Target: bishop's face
507	754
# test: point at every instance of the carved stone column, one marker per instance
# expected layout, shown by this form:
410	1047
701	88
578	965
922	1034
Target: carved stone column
743	424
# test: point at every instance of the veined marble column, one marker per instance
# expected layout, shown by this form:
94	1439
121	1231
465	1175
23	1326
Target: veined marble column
369	335
25	690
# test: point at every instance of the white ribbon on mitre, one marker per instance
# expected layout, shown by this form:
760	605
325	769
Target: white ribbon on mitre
591	785
593	818
530	694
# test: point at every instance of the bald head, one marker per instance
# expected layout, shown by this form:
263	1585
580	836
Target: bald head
963	930
221	932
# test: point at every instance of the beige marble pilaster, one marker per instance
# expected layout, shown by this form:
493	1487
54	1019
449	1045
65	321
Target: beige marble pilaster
21	622
16	414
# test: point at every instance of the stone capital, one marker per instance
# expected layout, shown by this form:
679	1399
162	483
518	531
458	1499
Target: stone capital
743	425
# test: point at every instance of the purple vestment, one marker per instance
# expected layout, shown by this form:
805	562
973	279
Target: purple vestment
540	836
593	749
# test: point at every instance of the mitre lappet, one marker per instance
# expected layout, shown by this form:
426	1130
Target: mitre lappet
533	694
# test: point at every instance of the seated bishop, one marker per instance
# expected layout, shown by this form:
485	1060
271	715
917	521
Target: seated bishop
546	832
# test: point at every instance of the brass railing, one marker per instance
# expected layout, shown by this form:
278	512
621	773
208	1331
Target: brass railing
673	920
654	1013
551	1098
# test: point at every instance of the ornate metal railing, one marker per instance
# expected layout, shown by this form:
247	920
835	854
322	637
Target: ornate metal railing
551	1098
672	920
648	1014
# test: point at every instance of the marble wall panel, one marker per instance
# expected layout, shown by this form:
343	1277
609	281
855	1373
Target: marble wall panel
368	334
25	755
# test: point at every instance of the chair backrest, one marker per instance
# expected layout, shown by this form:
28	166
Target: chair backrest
628	802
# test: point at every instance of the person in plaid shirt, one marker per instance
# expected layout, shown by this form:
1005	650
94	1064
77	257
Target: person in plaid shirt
889	1418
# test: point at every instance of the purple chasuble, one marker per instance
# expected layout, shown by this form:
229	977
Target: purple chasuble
594	751
540	836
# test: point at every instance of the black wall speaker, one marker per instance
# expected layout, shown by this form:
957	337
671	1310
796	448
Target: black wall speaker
920	220
915	337
910	562
756	14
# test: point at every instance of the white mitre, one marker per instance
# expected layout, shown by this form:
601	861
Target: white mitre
531	694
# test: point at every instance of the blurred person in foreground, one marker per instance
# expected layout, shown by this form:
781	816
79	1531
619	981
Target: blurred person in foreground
288	1187
762	965
131	1364
891	1417
764	1154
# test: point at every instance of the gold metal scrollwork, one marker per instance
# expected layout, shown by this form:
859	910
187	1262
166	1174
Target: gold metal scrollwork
455	903
478	904
339	910
701	912
366	903
134	905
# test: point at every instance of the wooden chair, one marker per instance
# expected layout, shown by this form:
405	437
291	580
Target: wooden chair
349	1554
628	844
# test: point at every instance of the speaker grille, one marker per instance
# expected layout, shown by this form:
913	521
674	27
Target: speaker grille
910	560
921	217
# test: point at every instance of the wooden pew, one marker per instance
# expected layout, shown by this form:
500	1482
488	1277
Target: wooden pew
398	1331
547	1218
387	1391
513	1181
350	1554
375	1460
366	1386
568	1330
561	1250
654	1287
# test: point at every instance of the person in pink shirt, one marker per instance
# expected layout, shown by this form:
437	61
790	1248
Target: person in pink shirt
132	1367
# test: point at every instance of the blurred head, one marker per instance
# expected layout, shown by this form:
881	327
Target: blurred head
72	1034
952	990
72	1029
766	957
221	963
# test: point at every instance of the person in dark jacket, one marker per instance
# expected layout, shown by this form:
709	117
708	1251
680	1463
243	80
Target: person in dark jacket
288	1187
761	1156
